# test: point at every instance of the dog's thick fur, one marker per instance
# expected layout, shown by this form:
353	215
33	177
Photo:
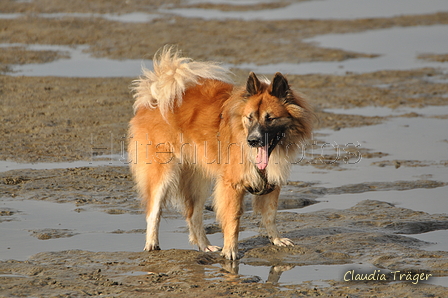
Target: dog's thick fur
193	127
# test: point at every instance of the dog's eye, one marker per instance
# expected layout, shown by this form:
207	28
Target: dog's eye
270	119
249	117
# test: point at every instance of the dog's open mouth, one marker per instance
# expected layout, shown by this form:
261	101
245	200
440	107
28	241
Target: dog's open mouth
265	151
262	158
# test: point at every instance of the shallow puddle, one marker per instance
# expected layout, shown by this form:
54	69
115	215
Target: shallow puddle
423	140
371	111
420	141
397	48
300	274
103	160
439	240
431	201
134	17
64	227
230	2
319	275
415	138
92	230
80	64
334	9
317	10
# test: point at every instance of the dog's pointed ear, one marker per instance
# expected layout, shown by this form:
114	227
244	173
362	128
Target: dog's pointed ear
253	85
279	86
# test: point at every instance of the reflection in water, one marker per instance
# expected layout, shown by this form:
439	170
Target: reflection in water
275	272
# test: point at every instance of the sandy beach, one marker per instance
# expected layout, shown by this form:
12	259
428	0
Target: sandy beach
366	203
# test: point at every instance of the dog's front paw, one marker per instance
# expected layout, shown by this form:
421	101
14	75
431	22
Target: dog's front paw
151	246
282	242
230	254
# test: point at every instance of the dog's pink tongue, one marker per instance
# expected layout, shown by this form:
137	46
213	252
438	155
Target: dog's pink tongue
262	157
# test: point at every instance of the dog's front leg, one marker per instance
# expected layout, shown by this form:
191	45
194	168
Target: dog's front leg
267	206
229	208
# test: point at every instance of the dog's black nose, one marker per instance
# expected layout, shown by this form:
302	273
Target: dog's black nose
255	137
254	141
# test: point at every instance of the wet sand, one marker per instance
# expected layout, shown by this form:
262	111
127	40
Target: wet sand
370	223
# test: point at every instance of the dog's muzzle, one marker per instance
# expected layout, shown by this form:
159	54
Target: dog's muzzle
258	138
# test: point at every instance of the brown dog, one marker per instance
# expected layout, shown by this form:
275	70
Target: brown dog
192	127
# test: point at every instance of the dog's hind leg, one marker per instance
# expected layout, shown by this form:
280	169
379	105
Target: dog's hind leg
153	221
195	188
159	182
267	206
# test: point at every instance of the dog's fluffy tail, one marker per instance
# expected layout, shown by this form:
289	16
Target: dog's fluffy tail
172	75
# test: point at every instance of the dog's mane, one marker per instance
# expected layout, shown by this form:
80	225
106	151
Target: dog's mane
172	75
